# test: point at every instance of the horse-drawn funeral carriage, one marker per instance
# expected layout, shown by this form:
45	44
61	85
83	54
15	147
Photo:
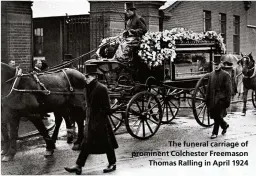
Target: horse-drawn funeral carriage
171	65
145	91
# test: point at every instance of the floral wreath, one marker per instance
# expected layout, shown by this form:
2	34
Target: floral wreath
159	46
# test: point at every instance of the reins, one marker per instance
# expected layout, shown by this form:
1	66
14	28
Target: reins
18	74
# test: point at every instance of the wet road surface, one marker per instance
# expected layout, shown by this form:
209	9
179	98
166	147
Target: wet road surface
30	160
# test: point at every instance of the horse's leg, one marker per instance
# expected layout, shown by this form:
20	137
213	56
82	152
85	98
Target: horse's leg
14	128
70	128
245	100
58	121
5	137
50	146
79	119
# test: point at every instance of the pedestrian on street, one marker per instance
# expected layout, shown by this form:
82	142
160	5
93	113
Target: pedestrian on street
99	137
218	97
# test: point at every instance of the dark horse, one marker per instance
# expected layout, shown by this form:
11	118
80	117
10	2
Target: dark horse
249	76
27	94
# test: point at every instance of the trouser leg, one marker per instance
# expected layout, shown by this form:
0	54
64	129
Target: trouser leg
216	126
111	156
223	123
83	155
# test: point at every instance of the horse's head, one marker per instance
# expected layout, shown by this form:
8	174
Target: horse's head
248	64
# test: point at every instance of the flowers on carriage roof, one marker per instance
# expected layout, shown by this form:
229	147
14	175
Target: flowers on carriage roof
111	41
156	47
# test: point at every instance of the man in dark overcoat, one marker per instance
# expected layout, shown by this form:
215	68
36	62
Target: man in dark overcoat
218	97
99	137
135	28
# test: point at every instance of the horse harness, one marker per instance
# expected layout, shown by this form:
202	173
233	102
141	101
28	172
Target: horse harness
250	69
44	90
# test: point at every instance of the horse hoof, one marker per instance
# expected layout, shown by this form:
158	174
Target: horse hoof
7	158
76	147
243	114
48	153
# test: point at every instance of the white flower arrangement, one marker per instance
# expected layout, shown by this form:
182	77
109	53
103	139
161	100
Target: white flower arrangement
156	47
112	41
159	46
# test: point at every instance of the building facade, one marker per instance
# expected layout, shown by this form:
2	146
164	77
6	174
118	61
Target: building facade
57	39
16	33
235	20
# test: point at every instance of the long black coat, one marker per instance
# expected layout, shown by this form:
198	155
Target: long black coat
138	24
99	136
218	94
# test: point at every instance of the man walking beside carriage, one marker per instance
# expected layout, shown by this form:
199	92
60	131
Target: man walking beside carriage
99	137
218	96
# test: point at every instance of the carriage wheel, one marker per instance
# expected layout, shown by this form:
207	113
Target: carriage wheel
143	115
170	103
117	116
254	98
200	110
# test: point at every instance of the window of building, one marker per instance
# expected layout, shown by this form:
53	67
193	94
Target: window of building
38	42
223	26
207	21
236	34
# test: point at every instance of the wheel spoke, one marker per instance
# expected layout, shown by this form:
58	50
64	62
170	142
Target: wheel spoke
173	104
203	114
151	108
120	119
143	128
138	106
153	121
135	123
138	129
133	112
170	109
111	120
199	105
200	112
167	113
202	93
150	129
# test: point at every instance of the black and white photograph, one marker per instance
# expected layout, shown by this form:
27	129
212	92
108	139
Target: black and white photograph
97	87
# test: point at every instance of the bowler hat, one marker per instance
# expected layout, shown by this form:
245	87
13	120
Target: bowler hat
130	6
91	69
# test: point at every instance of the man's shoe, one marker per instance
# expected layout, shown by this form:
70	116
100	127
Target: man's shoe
213	136
225	129
76	169
110	168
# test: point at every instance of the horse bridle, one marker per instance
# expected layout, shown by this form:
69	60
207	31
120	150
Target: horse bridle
250	69
44	91
18	74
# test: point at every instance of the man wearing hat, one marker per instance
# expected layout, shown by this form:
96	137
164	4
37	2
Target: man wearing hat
99	137
218	97
135	25
135	28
